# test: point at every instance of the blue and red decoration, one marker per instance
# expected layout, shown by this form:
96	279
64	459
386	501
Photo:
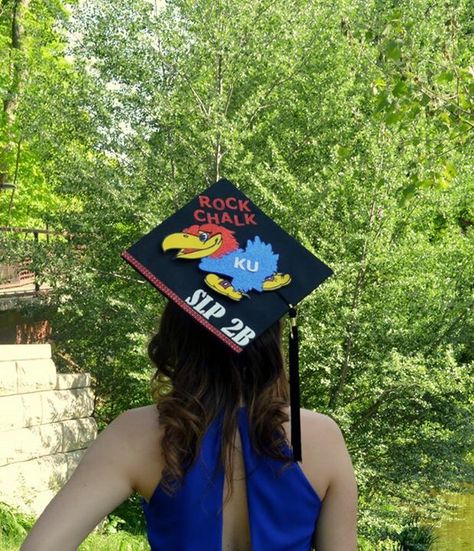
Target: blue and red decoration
252	268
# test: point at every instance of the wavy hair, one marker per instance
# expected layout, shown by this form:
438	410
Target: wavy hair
197	376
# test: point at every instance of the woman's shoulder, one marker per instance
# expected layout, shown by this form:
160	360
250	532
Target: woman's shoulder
314	424
320	423
148	414
140	429
323	448
320	432
323	445
141	425
141	432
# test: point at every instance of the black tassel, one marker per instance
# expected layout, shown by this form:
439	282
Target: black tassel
294	387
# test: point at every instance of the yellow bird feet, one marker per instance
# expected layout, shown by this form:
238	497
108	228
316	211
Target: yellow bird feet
223	287
276	281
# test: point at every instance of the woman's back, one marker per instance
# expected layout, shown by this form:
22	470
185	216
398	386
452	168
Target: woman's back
298	493
125	457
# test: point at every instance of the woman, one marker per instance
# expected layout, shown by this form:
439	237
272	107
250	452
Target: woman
142	447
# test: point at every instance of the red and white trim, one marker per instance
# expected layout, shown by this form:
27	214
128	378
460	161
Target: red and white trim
179	301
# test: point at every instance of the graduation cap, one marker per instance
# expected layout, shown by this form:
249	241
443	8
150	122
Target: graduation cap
234	270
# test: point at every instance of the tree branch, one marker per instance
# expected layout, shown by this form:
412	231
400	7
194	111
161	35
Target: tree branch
443	334
349	338
372	409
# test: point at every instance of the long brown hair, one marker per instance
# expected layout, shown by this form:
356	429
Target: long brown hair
197	377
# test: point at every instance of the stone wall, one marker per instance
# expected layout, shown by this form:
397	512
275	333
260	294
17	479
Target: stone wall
45	425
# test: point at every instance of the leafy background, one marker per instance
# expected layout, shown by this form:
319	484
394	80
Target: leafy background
349	122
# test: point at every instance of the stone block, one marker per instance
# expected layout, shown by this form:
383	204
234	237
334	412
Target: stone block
72	380
35	375
32	408
78	433
11	416
35	502
27	443
19	481
67	404
8	378
45	425
36	408
20	410
32	504
41	440
25	352
72	461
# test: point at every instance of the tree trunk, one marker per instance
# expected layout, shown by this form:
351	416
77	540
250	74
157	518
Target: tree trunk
352	325
17	74
218	149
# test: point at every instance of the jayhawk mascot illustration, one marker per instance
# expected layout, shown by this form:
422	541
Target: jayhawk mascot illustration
254	267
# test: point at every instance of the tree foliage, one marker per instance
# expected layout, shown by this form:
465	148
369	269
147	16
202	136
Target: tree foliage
351	123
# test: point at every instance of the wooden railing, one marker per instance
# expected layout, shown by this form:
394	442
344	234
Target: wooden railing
17	279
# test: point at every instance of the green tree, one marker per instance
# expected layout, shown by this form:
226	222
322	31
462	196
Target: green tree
349	123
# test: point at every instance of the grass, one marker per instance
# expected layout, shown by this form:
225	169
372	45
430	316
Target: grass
120	541
14	527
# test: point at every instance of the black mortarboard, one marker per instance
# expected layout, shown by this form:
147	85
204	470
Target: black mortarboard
234	270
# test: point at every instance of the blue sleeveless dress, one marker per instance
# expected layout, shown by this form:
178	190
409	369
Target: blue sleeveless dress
282	505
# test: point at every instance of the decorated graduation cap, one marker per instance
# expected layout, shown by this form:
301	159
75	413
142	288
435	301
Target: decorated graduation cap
234	270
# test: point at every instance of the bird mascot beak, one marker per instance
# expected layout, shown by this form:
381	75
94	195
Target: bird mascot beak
191	246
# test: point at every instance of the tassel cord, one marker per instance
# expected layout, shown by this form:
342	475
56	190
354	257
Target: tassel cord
294	386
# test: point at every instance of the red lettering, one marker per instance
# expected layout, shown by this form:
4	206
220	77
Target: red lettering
237	221
228	204
218	204
204	201
244	205
199	215
226	218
